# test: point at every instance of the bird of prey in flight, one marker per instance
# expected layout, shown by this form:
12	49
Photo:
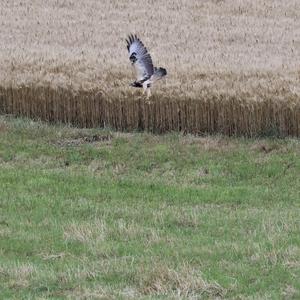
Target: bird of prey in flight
146	74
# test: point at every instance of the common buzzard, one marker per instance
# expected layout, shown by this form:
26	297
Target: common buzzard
141	60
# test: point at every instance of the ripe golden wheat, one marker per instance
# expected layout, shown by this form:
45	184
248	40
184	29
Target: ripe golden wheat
233	66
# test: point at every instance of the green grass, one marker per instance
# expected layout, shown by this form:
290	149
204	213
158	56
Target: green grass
96	214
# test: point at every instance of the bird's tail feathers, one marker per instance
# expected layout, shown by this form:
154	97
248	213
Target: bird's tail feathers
158	74
160	71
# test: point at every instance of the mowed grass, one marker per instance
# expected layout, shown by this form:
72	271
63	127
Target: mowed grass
96	214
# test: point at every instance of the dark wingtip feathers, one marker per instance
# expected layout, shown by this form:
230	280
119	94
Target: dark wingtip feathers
131	38
136	84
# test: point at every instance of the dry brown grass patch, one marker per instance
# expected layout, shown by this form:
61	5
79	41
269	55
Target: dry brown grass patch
19	274
290	292
3	128
88	232
52	256
209	143
186	282
187	219
89	139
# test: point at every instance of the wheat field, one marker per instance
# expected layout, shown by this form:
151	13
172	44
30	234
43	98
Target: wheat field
233	66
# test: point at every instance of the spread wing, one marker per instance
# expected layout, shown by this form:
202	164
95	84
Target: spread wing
140	58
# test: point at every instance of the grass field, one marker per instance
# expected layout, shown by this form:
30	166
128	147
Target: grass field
96	214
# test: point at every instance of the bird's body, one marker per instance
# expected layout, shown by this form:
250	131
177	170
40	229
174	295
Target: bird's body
141	60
